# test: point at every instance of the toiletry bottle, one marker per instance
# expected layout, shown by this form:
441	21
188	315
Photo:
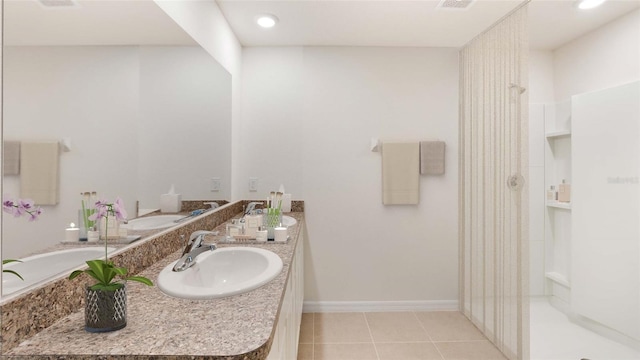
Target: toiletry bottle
251	224
234	228
551	193
564	192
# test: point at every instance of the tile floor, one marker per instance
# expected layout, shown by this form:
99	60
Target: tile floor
441	335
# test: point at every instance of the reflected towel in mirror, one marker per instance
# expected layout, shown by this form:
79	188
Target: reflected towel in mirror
11	158
39	172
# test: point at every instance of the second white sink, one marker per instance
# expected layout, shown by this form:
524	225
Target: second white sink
153	222
220	273
288	221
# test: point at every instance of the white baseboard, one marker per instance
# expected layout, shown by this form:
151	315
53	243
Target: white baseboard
378	306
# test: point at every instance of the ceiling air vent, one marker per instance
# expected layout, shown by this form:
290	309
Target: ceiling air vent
455	4
57	3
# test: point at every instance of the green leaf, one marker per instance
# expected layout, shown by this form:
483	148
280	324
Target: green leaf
75	274
98	270
140	279
6	261
120	270
14	273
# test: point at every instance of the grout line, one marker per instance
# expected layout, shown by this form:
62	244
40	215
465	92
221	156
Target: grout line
459	341
428	335
406	342
375	348
346	343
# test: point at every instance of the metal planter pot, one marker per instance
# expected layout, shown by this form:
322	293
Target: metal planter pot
105	311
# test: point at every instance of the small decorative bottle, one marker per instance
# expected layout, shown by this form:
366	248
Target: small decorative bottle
234	228
564	192
552	195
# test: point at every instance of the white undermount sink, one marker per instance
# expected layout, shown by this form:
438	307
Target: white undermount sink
220	273
288	221
153	222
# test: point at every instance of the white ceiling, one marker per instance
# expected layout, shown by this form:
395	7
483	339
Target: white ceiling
91	22
362	23
408	23
302	22
554	23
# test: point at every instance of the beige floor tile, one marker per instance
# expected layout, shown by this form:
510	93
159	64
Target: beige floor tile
306	329
344	352
408	351
395	327
305	352
340	328
449	326
469	350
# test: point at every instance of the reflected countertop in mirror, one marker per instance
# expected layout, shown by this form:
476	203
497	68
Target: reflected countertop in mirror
66	263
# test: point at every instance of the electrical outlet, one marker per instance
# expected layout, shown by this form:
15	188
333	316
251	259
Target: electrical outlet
253	184
215	184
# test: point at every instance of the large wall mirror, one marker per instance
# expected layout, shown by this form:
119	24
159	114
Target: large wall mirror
141	104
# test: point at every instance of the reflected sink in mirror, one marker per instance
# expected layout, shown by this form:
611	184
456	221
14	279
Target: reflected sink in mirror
288	221
37	268
153	222
220	273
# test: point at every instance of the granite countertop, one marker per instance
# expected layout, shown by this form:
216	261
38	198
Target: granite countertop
236	327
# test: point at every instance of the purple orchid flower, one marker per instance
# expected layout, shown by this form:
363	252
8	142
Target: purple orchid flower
21	207
33	215
119	210
104	209
8	206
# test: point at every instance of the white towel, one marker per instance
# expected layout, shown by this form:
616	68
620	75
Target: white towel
39	172
11	158
400	173
432	157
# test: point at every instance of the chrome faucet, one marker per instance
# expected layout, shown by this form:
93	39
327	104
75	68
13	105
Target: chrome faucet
250	207
193	249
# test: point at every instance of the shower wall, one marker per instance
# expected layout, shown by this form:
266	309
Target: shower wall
605	269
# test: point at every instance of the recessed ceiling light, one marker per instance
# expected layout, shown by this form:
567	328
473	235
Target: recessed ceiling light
589	4
266	20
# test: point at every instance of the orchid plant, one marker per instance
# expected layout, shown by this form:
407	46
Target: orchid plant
19	208
22	207
105	271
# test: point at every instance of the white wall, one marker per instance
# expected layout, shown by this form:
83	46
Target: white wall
606	245
541	92
308	116
606	57
205	23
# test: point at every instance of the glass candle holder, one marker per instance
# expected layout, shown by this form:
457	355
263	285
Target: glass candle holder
271	219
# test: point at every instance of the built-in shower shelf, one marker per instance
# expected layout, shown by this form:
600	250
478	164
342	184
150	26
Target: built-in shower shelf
559	205
558	134
558	278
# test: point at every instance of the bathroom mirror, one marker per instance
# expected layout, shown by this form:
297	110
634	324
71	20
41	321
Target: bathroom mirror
139	103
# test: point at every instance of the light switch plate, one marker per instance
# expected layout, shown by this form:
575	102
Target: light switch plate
215	184
253	184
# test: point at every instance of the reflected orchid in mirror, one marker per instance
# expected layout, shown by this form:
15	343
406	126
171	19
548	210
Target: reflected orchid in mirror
104	209
20	207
